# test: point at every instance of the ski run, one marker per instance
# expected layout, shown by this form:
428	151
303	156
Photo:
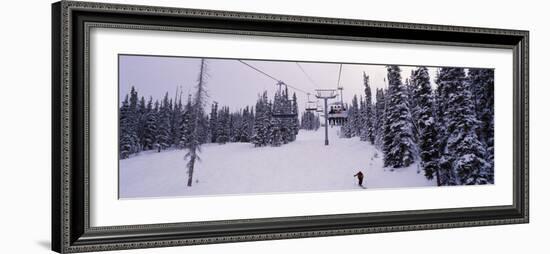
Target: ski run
305	165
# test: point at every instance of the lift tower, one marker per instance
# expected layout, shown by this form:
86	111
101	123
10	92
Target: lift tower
326	94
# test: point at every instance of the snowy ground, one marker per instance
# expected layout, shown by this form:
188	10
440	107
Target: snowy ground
238	168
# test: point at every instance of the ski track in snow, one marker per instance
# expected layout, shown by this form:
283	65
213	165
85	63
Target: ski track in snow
239	168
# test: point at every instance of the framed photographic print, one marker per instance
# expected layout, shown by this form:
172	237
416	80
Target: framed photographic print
181	126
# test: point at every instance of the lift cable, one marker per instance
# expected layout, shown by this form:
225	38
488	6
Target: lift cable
307	76
339	75
271	77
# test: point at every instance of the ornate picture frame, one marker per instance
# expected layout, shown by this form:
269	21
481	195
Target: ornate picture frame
71	197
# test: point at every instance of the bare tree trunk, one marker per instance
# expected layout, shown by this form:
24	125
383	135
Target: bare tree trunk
197	108
191	168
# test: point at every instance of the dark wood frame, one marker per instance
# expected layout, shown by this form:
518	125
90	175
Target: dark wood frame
71	22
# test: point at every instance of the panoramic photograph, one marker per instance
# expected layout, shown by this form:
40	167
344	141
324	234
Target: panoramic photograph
191	126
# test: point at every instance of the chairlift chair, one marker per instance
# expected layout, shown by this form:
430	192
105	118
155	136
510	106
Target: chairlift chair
283	115
319	110
311	106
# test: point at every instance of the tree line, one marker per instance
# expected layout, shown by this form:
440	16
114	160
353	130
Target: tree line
310	121
171	123
276	122
449	129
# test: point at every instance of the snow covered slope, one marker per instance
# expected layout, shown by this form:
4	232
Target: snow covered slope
239	168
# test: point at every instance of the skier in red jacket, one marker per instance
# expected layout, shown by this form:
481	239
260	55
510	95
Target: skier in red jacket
359	176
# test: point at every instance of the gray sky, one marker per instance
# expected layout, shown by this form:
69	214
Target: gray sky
236	85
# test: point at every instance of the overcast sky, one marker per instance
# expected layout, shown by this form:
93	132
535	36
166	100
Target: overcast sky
233	84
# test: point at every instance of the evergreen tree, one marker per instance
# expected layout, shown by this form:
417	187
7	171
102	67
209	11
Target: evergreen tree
150	126
412	102
245	128
346	130
267	121
352	127
186	124
262	122
295	120
283	124
241	126
398	140
133	118
463	155
175	121
164	128
234	119
286	124
171	121
447	80
250	123
133	99
214	122
378	123
204	129
224	126
355	118
367	128
309	121
141	121
427	140
481	82
273	123
277	131
362	119
411	87
127	137
304	120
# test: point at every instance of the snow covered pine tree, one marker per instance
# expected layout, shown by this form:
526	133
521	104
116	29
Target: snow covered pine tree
164	128
481	83
427	140
127	135
398	140
463	155
150	127
379	118
367	128
223	126
262	121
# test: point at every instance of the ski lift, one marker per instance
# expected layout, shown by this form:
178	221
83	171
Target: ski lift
319	108
283	115
311	105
